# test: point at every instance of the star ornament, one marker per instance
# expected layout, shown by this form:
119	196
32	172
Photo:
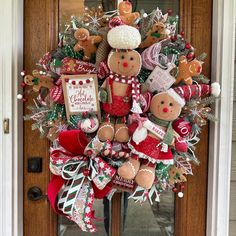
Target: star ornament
93	16
197	112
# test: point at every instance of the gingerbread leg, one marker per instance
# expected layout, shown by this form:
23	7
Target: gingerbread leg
121	131
145	176
188	81
106	131
129	169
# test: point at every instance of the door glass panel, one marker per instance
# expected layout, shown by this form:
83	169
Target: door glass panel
157	219
102	212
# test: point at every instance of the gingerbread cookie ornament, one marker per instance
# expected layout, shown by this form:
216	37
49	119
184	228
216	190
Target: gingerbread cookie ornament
121	87
126	15
86	42
187	70
38	80
157	33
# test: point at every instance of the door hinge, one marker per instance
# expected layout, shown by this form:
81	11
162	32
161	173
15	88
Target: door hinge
6	125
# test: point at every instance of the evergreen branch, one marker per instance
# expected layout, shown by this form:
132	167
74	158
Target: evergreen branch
201	79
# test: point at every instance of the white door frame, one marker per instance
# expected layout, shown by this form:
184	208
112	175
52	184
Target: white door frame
223	43
11	157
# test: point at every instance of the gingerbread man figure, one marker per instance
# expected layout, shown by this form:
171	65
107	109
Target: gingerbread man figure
126	15
157	33
86	43
187	70
176	175
38	80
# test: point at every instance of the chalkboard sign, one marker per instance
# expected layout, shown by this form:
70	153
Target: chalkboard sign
81	94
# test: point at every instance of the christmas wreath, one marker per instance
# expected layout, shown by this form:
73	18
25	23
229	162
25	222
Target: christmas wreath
122	100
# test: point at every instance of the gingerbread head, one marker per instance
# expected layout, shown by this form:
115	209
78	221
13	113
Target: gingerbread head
166	105
123	59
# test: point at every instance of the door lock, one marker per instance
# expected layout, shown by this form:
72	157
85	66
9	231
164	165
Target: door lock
35	194
6	125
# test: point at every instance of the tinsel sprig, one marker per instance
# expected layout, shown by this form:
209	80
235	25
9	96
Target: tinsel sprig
146	24
201	79
79	24
208	100
202	57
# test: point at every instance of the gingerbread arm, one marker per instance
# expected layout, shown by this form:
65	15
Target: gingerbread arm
77	47
102	94
95	39
183	60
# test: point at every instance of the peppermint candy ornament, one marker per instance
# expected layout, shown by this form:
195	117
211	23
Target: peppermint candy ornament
89	125
56	94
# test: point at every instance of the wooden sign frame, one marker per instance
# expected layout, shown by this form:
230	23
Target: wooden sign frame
80	82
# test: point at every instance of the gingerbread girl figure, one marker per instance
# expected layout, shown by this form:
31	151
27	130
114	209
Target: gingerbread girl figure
151	143
86	43
121	89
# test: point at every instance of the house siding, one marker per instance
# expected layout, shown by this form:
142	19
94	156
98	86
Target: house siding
232	216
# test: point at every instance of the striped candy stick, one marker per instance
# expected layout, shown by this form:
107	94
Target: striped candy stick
63	196
82	211
74	170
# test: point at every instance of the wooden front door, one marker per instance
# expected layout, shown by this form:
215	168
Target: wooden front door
41	26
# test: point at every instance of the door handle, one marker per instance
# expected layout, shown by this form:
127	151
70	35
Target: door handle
35	194
6	125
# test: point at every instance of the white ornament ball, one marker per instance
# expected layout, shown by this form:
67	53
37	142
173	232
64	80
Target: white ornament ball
89	125
180	194
19	96
22	73
215	89
145	15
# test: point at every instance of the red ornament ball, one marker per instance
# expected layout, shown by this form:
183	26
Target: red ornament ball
23	84
170	12
174	190
190	55
89	153
86	172
80	82
25	99
73	82
182	127
87	81
173	38
188	46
